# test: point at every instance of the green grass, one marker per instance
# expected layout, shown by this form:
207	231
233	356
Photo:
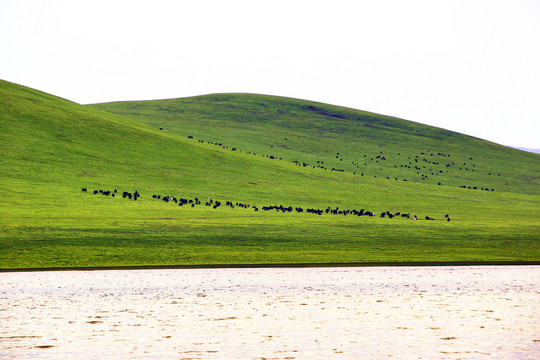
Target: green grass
51	148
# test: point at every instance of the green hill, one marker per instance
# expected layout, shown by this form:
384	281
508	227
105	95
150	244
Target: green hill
329	137
275	152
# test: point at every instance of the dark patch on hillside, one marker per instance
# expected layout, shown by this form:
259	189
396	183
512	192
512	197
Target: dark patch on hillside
324	113
380	121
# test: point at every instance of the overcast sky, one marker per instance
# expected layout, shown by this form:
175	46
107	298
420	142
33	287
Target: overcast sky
468	66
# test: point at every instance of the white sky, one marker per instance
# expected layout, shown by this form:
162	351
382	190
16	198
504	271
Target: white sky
469	66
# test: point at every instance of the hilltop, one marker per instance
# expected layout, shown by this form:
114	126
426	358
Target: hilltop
268	162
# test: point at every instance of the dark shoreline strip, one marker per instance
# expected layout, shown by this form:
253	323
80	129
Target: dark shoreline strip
277	265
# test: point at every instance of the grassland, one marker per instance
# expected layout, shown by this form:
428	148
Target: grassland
51	148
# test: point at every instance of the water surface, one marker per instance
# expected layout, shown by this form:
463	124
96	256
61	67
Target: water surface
485	312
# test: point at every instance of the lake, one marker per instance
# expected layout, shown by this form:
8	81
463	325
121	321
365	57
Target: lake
462	312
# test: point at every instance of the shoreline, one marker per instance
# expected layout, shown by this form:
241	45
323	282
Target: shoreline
275	265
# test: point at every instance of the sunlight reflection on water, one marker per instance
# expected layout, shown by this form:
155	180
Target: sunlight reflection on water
273	313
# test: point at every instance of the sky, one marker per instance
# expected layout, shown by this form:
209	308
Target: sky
469	66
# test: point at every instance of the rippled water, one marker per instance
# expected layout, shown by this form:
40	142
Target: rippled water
489	312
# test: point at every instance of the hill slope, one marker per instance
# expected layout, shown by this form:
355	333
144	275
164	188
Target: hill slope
328	136
51	148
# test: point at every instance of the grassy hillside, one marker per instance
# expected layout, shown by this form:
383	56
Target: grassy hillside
339	138
52	148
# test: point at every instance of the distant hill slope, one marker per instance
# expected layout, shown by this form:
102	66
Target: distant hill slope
333	137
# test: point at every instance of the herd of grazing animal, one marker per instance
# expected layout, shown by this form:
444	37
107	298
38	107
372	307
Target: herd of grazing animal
422	166
274	208
125	195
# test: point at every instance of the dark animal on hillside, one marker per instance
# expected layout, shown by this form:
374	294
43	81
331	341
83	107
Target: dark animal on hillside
83	190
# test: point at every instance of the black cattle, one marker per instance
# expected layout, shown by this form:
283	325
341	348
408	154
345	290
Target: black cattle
315	211
83	190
